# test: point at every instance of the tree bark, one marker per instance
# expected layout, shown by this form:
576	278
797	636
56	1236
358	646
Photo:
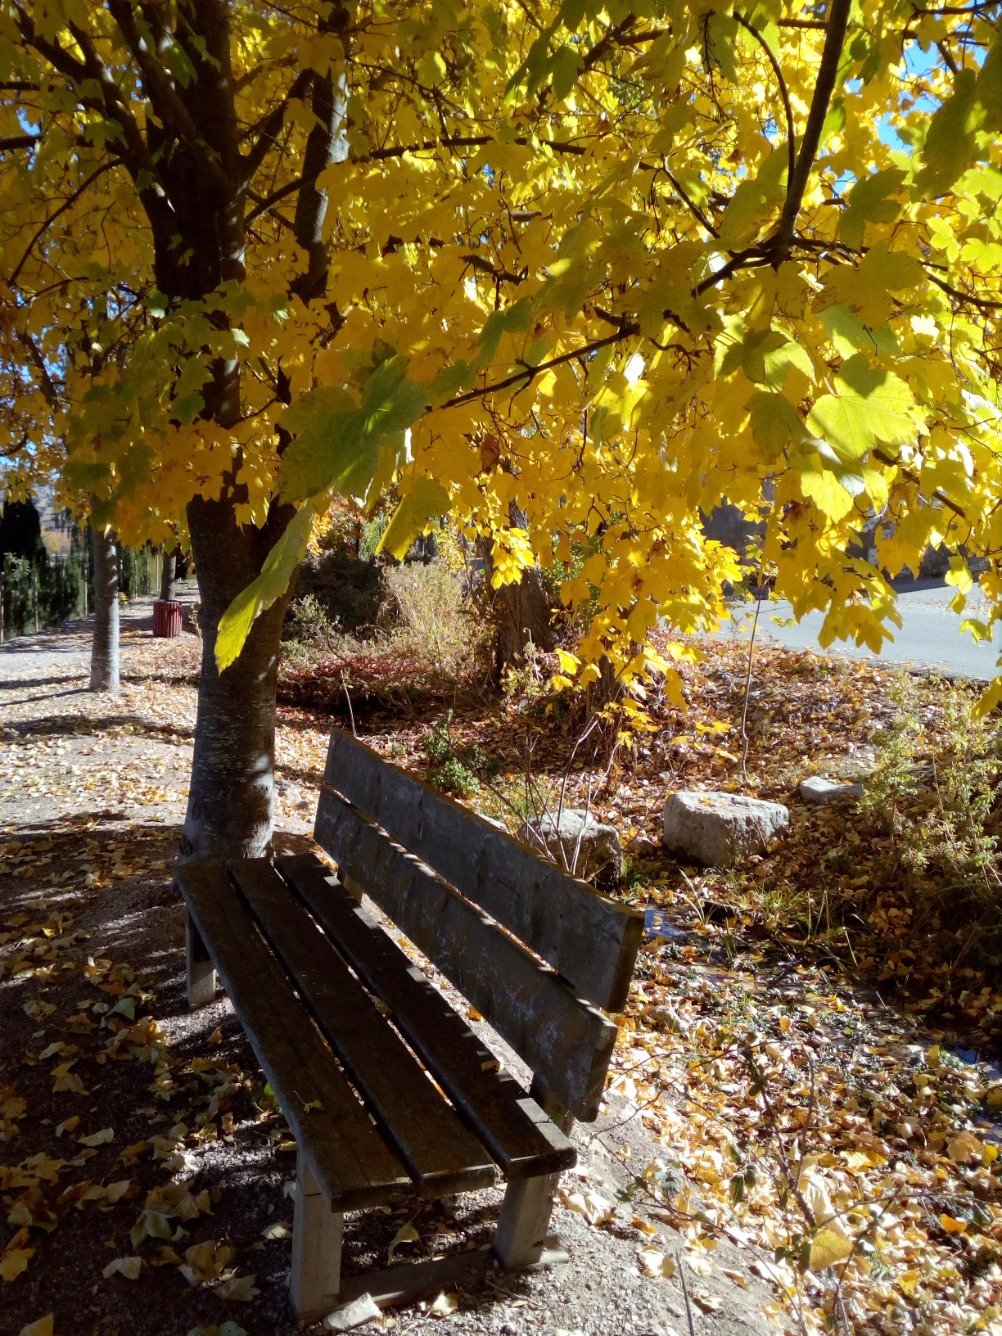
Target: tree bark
167	575
231	797
104	655
523	612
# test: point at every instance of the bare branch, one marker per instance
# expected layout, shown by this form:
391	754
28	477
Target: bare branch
269	128
18	141
791	146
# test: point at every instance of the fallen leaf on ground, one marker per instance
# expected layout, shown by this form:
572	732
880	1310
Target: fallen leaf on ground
129	1267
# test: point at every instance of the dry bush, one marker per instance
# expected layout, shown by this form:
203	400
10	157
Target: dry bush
426	603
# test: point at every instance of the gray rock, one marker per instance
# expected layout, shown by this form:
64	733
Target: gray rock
824	791
578	842
717	829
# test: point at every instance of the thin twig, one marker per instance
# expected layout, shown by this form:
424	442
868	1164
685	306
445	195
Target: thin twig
347	696
744	708
685	1295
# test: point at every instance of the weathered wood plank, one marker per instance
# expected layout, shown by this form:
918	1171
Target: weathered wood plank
591	939
439	1151
556	1032
409	1280
355	1167
512	1126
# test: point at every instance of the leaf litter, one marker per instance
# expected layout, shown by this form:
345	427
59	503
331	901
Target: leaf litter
804	1117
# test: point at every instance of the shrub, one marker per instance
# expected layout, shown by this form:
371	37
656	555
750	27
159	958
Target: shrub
451	768
936	794
427	603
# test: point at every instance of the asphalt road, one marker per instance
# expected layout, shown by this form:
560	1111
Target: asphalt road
930	637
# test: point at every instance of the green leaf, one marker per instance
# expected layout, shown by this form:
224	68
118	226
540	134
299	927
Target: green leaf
767	355
514	319
849	336
827	492
894	269
271	584
327	426
754	202
870	201
426	500
870	406
950	146
390	402
565	66
342	444
774	422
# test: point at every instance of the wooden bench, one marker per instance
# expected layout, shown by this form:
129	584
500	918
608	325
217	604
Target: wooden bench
386	1088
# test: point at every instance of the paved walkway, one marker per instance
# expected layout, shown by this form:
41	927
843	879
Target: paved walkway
930	637
68	647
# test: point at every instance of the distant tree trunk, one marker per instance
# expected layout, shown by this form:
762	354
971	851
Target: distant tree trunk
523	612
167	575
104	655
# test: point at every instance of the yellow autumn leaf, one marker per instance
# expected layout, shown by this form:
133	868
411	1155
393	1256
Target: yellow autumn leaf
656	1263
14	1262
236	1289
42	1326
105	1135
829	1246
405	1234
952	1225
129	1267
965	1148
443	1305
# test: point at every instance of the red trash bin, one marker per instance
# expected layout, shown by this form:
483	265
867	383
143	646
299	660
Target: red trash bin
166	617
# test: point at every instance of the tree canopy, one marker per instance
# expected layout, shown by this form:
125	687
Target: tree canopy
613	262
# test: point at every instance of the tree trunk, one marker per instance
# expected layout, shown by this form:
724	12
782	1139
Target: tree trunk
104	655
522	611
167	575
522	614
231	798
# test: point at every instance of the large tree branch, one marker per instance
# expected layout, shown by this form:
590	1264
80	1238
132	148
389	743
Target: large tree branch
268	129
46	384
831	55
164	97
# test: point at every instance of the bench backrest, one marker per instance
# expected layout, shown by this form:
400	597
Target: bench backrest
463	892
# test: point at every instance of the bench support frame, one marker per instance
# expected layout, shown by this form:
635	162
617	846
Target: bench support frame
201	973
317	1234
522	1238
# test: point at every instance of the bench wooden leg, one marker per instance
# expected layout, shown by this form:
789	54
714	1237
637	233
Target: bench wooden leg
522	1237
201	974
316	1247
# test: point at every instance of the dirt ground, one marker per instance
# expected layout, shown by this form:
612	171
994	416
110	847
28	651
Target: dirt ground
145	1174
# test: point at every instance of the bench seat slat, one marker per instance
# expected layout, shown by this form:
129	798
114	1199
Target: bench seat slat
349	1157
588	937
439	1151
512	1126
558	1034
